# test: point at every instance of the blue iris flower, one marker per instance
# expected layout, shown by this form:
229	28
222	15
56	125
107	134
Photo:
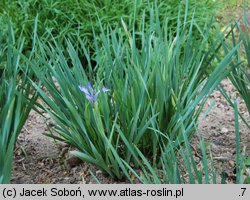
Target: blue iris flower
90	94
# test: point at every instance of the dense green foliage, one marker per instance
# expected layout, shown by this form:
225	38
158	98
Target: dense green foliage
79	17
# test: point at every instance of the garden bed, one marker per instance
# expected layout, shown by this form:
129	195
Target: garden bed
47	161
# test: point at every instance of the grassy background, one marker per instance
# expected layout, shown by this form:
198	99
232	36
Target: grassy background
78	17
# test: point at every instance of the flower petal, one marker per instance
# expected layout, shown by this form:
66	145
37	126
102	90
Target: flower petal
84	89
90	98
105	89
95	96
90	88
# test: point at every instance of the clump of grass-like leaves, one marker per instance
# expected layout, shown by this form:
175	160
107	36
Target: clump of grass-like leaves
15	90
135	97
181	163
